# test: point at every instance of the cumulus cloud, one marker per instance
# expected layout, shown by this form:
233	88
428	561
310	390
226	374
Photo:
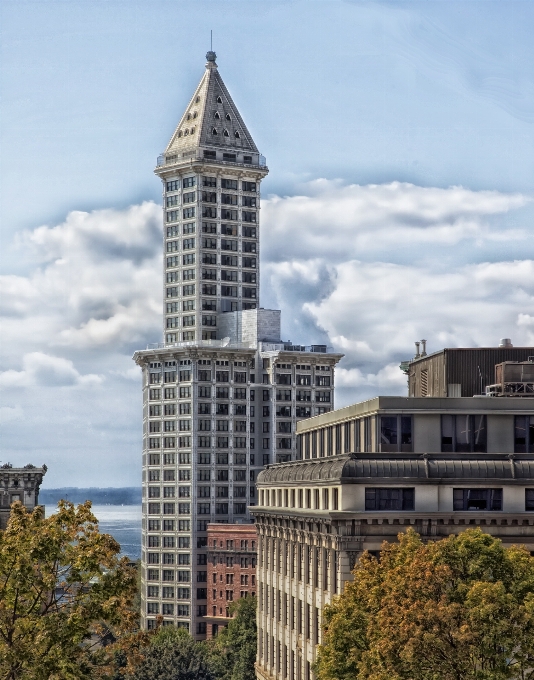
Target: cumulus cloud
364	269
347	221
43	370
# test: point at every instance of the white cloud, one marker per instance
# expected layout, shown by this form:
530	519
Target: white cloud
366	269
342	222
43	370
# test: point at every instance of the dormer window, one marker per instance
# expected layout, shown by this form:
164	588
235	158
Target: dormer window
219	100
214	132
197	99
225	133
194	114
180	134
188	116
186	132
217	115
236	134
192	130
228	116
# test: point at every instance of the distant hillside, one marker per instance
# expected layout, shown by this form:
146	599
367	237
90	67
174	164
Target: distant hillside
127	495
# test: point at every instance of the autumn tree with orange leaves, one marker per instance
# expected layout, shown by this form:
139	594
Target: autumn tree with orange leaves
457	609
62	588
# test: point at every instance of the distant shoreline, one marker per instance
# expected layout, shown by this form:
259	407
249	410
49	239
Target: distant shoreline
127	495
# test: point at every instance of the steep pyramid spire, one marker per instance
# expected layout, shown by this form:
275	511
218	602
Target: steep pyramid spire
211	119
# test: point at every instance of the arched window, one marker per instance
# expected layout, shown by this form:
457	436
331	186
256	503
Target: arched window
217	115
228	116
214	132
197	99
225	133
194	114
180	134
192	130
219	100
186	132
188	116
236	134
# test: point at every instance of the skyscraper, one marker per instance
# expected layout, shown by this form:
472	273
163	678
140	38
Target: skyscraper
222	393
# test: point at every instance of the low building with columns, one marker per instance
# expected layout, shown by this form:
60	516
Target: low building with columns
366	473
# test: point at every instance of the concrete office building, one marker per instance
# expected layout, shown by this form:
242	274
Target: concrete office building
19	484
222	393
367	472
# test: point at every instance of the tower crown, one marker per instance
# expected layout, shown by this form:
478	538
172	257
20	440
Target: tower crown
211	122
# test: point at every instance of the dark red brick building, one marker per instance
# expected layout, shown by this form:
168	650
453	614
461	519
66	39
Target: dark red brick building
231	570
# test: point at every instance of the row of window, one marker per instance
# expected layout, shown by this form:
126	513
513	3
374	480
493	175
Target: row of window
287	378
205	425
211	197
460	433
167	609
169	592
204	392
204	458
168	541
202	491
389	498
170	575
211	243
211	228
207	181
202	508
203	441
202	475
210	212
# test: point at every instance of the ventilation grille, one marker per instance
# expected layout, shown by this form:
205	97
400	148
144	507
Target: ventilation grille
424	383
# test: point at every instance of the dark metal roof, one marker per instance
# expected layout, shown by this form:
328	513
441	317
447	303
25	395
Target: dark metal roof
354	468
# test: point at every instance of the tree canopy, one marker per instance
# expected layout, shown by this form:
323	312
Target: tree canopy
457	609
234	649
172	654
62	587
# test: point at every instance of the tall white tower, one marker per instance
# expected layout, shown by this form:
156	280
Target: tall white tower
222	393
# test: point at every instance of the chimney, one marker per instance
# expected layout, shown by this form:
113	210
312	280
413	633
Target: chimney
423	343
417	354
505	342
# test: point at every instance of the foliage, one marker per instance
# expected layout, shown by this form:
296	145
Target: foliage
234	649
173	655
457	609
62	588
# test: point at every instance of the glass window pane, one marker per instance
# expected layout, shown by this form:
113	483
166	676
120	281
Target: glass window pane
479	434
406	433
531	435
388	433
463	433
529	499
447	433
520	434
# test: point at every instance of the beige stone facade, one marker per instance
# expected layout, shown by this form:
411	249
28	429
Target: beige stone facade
19	484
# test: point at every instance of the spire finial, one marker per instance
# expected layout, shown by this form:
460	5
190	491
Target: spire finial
211	56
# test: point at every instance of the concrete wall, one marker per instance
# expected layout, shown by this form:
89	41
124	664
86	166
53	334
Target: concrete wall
251	326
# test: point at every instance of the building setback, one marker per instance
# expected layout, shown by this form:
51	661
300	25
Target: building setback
367	472
231	570
222	393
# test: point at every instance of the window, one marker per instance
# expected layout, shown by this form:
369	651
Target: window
188	228
248	186
524	434
249	262
229	199
208	211
228	214
389	499
322	396
463	434
303	411
396	433
249	216
188	290
477	499
229	183
209	196
228	275
174	185
188	212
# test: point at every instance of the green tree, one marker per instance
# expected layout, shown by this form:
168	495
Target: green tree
234	649
457	609
173	655
62	587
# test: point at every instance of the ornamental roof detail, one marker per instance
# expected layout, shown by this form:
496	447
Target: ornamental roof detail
211	118
354	468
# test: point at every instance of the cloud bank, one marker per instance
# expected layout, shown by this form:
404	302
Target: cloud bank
367	269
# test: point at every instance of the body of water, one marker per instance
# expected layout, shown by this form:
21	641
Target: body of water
123	522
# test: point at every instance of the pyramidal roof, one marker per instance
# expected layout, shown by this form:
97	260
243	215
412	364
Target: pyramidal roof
211	118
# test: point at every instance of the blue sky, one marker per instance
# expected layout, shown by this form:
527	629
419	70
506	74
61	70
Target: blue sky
399	137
